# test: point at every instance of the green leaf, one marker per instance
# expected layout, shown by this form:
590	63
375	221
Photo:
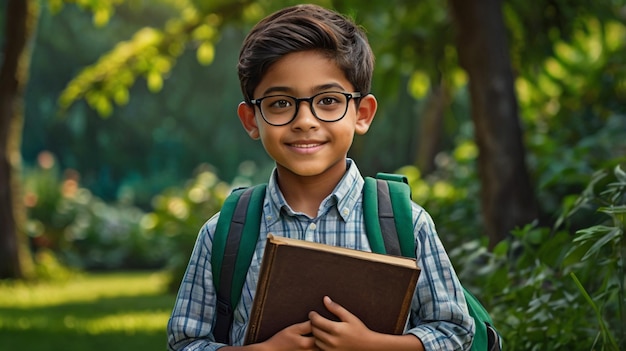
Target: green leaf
419	84
155	81
205	53
611	210
607	238
620	174
591	232
603	327
101	17
121	96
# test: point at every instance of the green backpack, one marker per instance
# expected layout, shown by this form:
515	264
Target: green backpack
389	227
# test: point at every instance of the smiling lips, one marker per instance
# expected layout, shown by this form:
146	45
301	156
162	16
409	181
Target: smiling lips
305	146
308	147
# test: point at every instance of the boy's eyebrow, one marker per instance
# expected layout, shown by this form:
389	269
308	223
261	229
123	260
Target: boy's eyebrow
317	89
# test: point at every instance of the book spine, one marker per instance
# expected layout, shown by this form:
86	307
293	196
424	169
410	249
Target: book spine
261	293
408	298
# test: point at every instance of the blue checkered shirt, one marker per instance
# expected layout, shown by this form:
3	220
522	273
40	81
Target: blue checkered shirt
438	315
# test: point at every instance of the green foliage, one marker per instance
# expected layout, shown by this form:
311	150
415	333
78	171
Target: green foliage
573	108
451	194
45	198
604	244
102	9
152	143
569	60
179	212
557	46
49	268
82	230
109	236
542	275
150	53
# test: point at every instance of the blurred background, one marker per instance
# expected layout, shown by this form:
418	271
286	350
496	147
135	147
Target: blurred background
119	138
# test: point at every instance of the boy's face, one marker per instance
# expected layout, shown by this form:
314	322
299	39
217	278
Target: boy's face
307	146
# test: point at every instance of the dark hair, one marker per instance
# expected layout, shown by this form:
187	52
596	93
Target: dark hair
301	28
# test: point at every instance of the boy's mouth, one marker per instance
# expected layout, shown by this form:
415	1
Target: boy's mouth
305	146
308	147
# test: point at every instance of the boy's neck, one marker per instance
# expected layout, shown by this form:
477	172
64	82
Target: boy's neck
305	194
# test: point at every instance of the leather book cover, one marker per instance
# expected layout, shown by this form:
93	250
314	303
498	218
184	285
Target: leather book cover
295	276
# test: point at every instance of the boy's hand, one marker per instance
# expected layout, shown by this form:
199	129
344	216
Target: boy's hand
347	334
292	338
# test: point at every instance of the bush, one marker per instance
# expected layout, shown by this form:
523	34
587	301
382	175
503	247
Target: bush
83	231
104	236
549	290
179	212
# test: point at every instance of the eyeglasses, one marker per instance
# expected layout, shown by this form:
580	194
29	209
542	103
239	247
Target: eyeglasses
279	110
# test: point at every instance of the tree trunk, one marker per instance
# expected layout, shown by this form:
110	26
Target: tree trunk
21	18
507	197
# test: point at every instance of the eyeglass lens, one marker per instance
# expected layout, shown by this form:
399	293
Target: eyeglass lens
281	109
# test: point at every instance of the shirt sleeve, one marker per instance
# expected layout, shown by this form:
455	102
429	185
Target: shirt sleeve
439	314
191	323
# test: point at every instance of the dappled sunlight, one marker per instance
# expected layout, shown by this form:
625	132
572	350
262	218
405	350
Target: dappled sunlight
178	208
443	190
90	288
129	323
131	306
132	191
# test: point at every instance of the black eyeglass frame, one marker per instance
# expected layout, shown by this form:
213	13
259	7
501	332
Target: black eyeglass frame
349	96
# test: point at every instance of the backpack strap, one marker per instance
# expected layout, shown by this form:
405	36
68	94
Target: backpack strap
389	227
388	224
485	337
234	243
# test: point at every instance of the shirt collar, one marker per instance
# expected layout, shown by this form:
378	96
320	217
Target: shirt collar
345	196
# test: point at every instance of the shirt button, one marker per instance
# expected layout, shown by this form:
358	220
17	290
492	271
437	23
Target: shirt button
312	226
346	211
269	218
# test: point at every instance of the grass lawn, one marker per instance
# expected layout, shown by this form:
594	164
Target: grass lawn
105	311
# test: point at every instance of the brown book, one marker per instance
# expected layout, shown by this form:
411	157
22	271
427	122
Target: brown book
296	275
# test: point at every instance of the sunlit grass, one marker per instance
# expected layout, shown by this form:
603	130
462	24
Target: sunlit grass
81	288
119	311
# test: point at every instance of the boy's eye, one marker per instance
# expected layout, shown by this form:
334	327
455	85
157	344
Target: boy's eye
281	103
328	100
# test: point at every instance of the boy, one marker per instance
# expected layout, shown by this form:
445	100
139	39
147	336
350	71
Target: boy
305	74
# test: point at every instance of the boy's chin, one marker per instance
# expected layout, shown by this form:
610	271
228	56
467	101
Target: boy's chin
312	169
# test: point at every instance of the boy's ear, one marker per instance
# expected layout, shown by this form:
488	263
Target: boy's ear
365	113
246	115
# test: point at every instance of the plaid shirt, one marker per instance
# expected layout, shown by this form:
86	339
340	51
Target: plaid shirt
438	315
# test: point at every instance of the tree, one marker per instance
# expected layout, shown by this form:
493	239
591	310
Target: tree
150	53
417	35
507	196
21	19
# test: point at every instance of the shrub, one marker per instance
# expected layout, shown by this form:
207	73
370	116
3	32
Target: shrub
82	230
549	290
179	212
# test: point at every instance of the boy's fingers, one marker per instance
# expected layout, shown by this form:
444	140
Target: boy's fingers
303	328
319	322
343	314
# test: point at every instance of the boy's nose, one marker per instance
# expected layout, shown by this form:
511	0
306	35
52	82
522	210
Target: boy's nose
305	119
